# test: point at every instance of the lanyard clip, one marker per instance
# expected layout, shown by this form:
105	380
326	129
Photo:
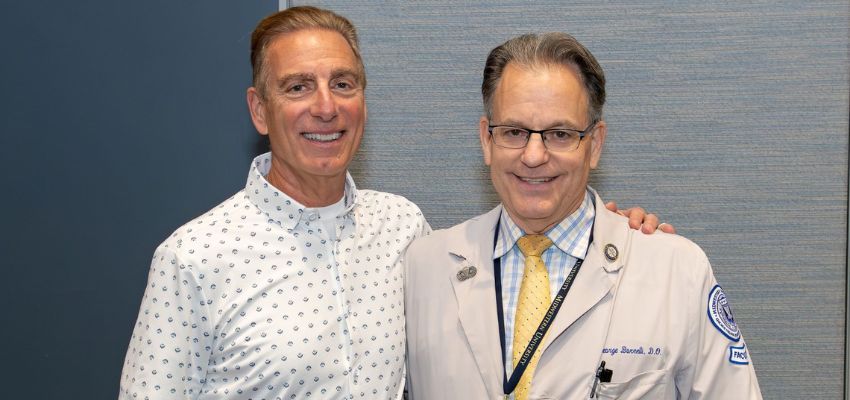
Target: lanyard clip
602	375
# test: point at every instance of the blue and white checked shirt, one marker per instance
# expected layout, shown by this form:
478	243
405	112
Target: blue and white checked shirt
570	239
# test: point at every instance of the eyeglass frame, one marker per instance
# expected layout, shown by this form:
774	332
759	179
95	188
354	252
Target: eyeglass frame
581	135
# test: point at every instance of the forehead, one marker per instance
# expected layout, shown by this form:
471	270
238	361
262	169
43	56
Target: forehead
309	50
543	94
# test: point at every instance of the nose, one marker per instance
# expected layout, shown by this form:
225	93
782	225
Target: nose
324	105
535	153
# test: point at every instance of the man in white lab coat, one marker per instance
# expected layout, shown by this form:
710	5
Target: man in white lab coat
550	295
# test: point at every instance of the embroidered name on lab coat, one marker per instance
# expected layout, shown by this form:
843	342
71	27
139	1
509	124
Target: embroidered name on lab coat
633	350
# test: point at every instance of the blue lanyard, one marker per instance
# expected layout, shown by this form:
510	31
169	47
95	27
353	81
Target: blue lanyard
508	385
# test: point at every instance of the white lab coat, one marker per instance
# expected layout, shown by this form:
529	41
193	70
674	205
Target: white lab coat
645	312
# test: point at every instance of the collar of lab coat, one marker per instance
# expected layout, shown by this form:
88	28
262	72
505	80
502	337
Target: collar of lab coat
476	296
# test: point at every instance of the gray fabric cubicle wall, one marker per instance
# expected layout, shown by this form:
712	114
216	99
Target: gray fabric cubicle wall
730	120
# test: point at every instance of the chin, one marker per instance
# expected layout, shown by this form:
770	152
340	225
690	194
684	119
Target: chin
533	214
329	163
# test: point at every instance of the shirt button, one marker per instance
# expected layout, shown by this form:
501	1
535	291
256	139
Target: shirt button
312	217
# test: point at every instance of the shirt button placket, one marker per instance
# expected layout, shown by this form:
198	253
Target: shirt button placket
339	259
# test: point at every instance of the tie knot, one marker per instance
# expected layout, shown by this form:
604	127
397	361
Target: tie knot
533	245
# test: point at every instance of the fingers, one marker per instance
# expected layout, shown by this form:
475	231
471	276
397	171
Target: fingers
612	206
636	217
650	223
640	219
666	228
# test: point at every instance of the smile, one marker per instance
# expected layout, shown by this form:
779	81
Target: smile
322	137
535	181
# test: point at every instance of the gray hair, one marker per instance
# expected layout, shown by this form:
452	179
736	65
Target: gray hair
537	50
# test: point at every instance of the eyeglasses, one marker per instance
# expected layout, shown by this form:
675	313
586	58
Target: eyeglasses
558	139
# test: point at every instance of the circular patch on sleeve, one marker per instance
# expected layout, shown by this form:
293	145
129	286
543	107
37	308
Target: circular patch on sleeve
720	314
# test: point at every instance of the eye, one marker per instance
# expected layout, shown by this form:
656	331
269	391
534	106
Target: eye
344	85
560	134
515	132
297	88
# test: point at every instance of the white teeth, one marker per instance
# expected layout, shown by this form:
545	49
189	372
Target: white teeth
536	180
323	137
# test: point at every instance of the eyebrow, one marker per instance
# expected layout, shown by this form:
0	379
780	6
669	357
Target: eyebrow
304	76
286	79
346	72
556	125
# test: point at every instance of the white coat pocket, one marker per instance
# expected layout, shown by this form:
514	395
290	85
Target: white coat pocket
646	385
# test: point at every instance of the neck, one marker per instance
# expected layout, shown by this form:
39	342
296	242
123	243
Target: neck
540	226
311	191
534	226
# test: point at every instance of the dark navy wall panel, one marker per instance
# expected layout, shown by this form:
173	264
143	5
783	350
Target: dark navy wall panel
120	121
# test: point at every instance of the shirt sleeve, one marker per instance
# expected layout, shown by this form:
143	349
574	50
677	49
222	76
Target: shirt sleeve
172	339
426	228
720	365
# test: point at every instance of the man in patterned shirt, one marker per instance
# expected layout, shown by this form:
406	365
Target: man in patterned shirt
292	287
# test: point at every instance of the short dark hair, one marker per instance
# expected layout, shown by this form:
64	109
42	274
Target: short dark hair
292	20
553	48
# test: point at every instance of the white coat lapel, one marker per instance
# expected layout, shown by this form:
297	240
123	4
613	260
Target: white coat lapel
476	297
598	272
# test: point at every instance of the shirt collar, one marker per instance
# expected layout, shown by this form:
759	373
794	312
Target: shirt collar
571	235
278	206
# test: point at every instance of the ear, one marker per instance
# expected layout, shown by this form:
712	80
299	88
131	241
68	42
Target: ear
596	142
257	107
486	139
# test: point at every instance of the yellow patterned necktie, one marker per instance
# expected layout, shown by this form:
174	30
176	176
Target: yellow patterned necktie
534	301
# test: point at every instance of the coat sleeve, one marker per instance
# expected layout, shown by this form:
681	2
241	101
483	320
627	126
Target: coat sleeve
172	340
719	365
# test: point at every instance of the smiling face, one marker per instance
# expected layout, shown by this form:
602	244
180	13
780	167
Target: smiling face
538	187
313	111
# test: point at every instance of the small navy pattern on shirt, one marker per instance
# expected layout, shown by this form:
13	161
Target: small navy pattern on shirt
257	300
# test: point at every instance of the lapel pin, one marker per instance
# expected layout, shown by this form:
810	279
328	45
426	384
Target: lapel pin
611	252
466	273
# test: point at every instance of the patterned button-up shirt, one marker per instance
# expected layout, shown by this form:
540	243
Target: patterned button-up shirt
258	299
